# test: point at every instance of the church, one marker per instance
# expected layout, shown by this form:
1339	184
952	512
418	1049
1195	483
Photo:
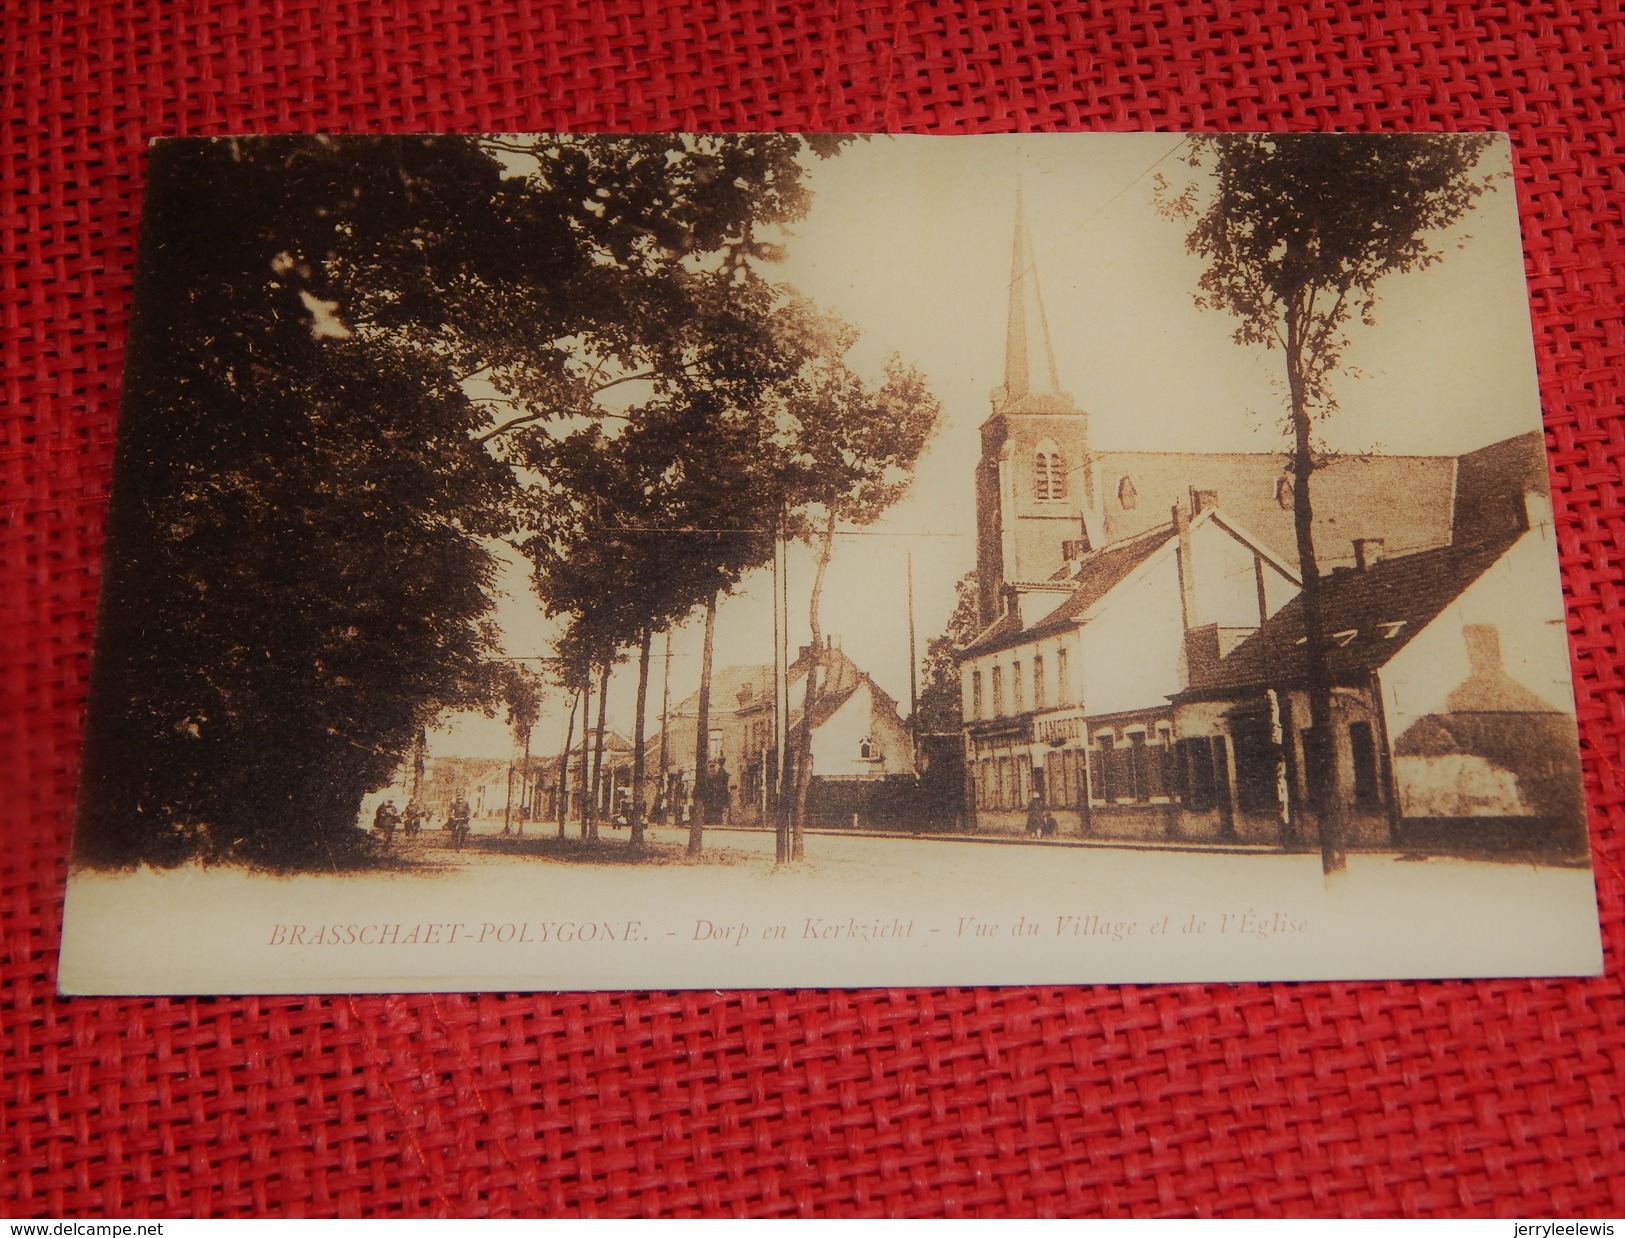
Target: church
1115	585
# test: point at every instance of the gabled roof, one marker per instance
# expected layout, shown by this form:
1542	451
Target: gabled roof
1368	617
840	681
614	743
1101	571
726	684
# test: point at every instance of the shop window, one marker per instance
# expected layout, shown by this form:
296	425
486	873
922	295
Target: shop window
1102	769
1058	779
1139	772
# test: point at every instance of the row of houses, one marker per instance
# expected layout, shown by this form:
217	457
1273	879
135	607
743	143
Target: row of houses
1140	669
862	756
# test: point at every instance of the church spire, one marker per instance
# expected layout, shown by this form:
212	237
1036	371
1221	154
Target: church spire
1025	296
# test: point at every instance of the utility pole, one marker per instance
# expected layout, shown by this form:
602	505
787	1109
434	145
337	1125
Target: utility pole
663	796
781	689
913	677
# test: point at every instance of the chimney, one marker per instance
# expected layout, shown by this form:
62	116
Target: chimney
1201	500
1488	688
1535	512
1367	552
1187	579
1483	648
1012	603
1202	652
1073	550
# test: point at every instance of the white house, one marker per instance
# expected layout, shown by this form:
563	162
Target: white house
1078	670
1453	714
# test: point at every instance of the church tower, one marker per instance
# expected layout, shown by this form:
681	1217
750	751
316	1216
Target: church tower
1030	481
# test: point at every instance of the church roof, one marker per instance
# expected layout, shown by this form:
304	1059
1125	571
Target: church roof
1491	483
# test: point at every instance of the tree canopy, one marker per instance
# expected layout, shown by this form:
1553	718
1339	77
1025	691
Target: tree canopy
338	347
1298	229
640	519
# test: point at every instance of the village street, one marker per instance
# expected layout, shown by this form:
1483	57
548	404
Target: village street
974	864
534	912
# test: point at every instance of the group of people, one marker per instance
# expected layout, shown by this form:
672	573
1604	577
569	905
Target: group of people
387	819
1040	824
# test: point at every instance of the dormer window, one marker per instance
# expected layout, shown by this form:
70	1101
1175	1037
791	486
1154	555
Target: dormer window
866	749
1049	472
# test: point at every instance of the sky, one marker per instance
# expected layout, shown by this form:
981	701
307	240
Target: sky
909	239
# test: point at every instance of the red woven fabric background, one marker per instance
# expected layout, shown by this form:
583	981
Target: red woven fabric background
1437	1098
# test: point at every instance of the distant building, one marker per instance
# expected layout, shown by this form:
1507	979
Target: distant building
862	754
614	776
482	781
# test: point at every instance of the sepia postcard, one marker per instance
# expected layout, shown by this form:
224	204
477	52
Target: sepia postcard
762	560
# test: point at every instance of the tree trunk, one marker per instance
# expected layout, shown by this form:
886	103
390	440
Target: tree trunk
598	754
826	546
527	792
564	763
1324	782
637	740
586	753
420	746
507	802
702	737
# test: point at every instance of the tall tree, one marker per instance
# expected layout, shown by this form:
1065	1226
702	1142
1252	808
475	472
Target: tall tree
296	578
638	527
847	452
522	690
1297	231
562	796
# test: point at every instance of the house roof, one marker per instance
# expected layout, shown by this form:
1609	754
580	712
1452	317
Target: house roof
841	679
614	743
726	684
1368	616
1100	572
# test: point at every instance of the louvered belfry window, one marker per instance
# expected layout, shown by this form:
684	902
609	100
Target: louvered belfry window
1049	477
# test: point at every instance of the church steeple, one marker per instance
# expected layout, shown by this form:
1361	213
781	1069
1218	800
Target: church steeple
1032	481
1026	304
